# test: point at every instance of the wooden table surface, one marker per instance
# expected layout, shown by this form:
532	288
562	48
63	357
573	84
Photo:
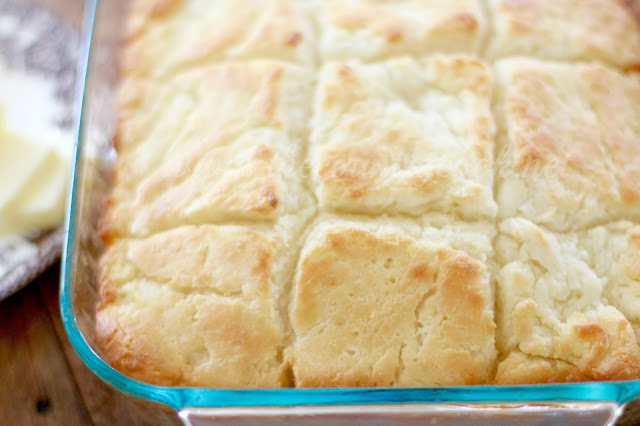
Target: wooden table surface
42	379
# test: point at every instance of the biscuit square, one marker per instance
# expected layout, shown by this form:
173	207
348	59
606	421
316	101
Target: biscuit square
568	143
372	306
164	37
404	137
374	30
575	30
194	306
615	254
558	305
221	143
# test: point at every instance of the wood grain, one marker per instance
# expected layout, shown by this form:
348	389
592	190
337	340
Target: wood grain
42	379
36	385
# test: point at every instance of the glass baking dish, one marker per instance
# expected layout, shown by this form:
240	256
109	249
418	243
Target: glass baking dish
580	403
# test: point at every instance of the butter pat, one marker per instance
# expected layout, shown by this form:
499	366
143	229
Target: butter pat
34	153
34	184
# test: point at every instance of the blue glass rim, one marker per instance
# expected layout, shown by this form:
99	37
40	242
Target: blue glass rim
180	397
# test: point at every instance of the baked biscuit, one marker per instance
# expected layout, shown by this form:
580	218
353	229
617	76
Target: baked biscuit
552	304
166	36
567	30
404	136
381	29
220	143
568	143
615	254
521	369
373	306
194	306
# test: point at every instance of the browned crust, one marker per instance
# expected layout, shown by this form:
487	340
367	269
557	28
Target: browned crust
347	273
191	307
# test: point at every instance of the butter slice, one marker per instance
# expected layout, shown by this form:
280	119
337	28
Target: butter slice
33	179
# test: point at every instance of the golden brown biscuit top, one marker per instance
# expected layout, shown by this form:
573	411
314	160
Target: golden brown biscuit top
194	306
213	102
164	37
168	338
227	260
405	137
213	144
380	309
378	30
569	142
568	30
520	369
559	299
